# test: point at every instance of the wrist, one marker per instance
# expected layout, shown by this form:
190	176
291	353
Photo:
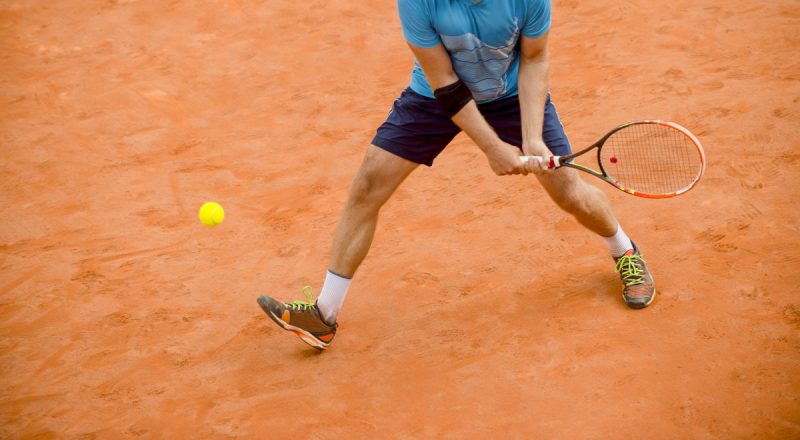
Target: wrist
490	145
535	142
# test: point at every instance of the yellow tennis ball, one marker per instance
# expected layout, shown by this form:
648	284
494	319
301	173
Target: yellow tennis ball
211	214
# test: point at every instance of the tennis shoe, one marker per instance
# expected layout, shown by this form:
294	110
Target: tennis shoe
640	289
302	318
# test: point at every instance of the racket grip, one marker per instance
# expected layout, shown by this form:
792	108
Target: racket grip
555	161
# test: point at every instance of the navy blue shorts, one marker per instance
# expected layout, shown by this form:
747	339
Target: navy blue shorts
416	129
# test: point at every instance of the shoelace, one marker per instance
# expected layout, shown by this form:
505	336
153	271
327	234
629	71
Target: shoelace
630	267
303	305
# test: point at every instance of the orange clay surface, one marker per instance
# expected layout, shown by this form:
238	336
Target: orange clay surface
482	311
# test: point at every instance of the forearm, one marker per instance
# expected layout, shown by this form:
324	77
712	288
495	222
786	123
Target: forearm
532	83
472	122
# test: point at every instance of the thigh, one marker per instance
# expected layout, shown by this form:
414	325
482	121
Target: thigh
380	173
415	129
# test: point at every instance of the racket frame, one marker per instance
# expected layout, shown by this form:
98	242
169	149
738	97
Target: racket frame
561	161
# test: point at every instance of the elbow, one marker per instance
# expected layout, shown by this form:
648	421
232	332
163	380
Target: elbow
447	79
537	60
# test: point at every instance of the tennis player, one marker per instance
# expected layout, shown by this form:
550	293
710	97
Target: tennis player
481	66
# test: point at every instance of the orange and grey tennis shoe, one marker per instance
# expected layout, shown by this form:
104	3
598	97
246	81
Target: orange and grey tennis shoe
640	289
302	318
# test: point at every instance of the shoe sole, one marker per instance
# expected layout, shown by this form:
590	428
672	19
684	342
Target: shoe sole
305	336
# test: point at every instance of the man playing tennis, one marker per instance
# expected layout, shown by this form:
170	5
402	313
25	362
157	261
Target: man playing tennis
481	66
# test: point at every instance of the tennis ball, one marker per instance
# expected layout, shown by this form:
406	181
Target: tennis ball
211	214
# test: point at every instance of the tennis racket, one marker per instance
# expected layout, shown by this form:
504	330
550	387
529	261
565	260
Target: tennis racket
650	158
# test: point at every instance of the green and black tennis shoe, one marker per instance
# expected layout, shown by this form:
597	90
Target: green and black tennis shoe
640	289
301	318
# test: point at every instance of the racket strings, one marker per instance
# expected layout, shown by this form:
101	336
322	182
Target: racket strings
651	158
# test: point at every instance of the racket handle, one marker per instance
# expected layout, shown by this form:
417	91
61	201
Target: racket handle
555	161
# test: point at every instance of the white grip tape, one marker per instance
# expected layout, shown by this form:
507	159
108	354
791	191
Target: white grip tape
556	160
526	159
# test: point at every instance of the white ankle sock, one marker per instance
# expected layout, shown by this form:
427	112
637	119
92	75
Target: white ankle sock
332	296
619	243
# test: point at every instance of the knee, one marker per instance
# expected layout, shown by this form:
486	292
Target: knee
366	193
569	202
376	179
574	197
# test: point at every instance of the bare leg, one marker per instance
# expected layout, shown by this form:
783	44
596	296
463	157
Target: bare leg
376	180
585	202
591	208
378	177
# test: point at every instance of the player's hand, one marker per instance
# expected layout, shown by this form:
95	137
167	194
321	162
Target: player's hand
505	160
538	167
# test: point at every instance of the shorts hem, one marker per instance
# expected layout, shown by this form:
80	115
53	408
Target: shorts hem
398	150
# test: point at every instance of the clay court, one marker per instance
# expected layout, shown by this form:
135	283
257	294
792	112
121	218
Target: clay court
482	311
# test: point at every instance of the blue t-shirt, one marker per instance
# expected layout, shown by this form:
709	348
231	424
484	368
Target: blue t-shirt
481	39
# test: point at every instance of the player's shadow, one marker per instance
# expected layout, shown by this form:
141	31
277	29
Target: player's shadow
590	286
307	353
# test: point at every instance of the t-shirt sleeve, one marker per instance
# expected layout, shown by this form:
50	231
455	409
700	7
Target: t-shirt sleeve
416	22
538	19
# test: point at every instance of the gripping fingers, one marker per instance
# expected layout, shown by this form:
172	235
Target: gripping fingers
529	162
526	159
537	164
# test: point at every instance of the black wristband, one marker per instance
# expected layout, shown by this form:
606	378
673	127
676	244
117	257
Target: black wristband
452	98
